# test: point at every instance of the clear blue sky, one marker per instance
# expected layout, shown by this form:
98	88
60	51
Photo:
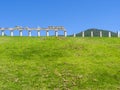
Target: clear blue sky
75	15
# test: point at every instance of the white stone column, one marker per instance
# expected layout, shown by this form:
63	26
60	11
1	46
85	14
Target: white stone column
100	33
11	32
29	33
118	33
3	33
38	32
20	32
109	34
83	34
74	35
91	33
47	33
56	33
65	33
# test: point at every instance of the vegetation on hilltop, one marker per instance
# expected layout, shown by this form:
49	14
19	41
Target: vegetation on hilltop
96	33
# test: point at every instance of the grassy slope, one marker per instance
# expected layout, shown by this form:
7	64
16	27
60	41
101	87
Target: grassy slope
59	63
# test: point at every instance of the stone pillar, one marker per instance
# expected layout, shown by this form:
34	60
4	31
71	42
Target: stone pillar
47	33
91	33
109	34
100	33
3	33
74	35
118	33
56	33
11	32
65	33
20	32
83	34
38	32
29	33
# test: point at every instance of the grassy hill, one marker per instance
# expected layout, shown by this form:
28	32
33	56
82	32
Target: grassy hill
96	33
58	63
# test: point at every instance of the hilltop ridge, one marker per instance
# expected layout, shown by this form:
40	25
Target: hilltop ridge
96	33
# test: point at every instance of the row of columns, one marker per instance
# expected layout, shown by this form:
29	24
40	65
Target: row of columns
101	34
56	33
30	33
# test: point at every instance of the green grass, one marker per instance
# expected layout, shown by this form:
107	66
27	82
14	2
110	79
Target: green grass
58	63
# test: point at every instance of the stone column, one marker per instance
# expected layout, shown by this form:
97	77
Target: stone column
38	32
118	33
83	34
20	32
100	33
109	34
91	33
74	35
11	32
56	33
29	33
47	33
65	33
3	33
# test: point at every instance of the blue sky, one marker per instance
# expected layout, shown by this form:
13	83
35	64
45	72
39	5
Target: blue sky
74	15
